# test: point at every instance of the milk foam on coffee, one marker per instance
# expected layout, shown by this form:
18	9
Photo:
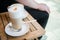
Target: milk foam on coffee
17	13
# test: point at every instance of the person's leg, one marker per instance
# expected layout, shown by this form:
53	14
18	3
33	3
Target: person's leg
40	16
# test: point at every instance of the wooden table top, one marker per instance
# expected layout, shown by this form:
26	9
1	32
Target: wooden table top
35	29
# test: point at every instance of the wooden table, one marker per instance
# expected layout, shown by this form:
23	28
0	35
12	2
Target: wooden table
35	29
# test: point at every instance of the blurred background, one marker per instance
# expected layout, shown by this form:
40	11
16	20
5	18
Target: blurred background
53	25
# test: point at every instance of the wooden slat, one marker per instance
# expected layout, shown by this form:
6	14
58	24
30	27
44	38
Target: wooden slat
27	23
4	19
0	36
7	16
2	32
33	34
3	13
30	25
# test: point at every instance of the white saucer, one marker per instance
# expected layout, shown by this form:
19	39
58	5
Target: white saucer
23	31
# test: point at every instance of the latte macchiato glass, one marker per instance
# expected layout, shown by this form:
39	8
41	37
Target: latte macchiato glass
17	13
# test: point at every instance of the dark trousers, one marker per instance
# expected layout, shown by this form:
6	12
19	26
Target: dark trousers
40	16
